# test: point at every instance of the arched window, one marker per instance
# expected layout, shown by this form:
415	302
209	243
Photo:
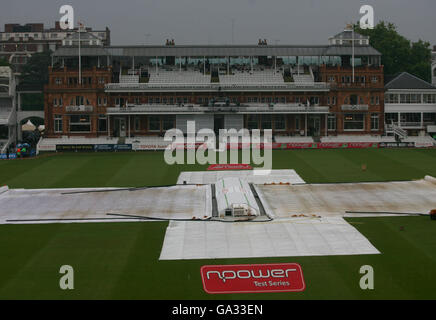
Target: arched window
354	99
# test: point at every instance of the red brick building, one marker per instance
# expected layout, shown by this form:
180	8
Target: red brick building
146	90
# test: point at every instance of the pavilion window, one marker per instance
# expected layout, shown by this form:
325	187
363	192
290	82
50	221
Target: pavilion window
331	122
80	123
252	122
429	98
391	98
354	121
429	117
137	123
58	123
154	123
80	100
168	122
279	123
374	121
410	118
102	123
266	121
391	117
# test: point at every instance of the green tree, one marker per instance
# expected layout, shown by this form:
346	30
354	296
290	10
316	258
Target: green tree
398	53
35	71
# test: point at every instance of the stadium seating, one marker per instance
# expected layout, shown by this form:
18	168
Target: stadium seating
129	79
303	78
178	77
256	76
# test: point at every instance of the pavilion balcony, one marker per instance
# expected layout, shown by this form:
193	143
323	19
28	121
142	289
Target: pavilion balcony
197	109
207	87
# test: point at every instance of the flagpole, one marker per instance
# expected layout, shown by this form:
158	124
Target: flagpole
80	59
352	40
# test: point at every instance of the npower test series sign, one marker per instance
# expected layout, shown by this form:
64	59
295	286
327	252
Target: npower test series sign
253	278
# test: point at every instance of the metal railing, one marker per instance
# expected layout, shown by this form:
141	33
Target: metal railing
216	86
264	108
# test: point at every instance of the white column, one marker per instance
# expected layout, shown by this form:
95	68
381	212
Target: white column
422	119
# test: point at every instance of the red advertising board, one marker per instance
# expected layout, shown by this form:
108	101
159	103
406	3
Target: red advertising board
236	166
253	278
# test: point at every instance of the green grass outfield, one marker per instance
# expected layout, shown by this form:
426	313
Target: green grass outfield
120	260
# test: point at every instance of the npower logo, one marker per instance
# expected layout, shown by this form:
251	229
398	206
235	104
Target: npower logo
251	278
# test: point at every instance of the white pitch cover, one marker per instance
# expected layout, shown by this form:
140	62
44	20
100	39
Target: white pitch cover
279	238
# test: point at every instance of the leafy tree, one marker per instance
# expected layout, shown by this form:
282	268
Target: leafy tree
35	71
398	53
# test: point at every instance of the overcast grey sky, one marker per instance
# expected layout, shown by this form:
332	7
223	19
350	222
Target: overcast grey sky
210	21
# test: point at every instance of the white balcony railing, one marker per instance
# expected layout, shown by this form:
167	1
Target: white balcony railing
193	109
216	86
